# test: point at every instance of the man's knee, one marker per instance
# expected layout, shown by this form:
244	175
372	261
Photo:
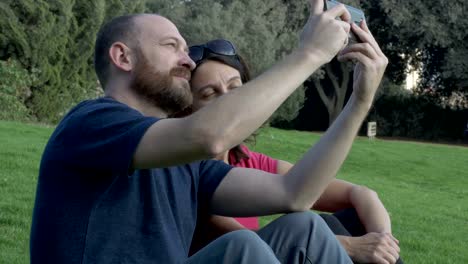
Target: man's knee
243	234
304	219
248	247
296	235
244	237
241	246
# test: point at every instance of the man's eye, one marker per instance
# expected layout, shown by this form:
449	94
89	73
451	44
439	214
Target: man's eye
171	44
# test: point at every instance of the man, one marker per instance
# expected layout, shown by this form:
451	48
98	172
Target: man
121	183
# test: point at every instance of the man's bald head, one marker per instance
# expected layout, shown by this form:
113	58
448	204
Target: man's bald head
126	29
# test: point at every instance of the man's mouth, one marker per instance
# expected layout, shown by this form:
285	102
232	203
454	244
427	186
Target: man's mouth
183	77
182	73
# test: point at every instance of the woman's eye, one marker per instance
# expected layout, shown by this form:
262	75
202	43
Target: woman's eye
208	95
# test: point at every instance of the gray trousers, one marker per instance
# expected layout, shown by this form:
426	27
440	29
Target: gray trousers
293	238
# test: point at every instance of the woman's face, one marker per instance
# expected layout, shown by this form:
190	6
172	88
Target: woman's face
211	80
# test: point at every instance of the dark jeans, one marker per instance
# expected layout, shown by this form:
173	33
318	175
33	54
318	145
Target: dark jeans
347	223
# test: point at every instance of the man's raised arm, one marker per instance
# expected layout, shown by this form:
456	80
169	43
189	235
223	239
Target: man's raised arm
223	124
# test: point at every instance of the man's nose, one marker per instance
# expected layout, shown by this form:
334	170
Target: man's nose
187	62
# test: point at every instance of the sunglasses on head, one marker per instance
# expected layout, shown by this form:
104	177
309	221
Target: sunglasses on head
215	47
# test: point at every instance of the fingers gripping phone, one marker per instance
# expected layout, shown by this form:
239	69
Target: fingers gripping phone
357	15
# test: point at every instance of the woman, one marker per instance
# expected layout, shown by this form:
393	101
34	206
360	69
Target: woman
360	221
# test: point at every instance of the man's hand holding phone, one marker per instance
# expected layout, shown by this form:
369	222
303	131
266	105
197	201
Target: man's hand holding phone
326	34
323	35
357	15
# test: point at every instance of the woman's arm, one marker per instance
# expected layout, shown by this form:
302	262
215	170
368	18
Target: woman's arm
378	244
341	194
223	225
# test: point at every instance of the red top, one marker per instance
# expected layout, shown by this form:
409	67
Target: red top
257	161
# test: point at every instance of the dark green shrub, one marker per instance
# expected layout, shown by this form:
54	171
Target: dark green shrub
15	89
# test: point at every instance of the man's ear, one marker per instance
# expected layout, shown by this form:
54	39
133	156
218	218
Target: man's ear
121	56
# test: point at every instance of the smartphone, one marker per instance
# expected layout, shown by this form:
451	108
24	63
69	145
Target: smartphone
357	15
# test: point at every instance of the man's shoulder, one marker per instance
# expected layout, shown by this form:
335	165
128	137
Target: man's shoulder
96	119
95	111
101	103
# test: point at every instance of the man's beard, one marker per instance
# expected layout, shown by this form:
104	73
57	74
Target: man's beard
158	88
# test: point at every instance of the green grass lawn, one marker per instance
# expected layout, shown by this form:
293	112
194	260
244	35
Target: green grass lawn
424	187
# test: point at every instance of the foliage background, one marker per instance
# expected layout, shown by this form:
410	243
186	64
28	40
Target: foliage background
46	53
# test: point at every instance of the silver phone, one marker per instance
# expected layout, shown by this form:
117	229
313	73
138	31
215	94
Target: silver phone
357	15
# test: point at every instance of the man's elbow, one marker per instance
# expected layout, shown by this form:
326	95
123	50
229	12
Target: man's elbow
211	144
215	148
296	198
298	207
297	203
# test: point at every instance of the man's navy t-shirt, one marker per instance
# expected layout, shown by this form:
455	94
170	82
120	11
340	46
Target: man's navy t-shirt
92	208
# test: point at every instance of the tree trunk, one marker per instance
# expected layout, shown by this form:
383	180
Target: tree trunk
335	102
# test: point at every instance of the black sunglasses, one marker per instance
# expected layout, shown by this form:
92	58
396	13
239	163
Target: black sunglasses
218	47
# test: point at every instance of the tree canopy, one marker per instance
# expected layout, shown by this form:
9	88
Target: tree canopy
52	40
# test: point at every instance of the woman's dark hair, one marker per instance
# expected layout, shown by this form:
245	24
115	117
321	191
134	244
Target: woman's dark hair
237	62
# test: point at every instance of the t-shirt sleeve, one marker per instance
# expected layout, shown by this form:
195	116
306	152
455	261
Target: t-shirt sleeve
211	173
102	136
